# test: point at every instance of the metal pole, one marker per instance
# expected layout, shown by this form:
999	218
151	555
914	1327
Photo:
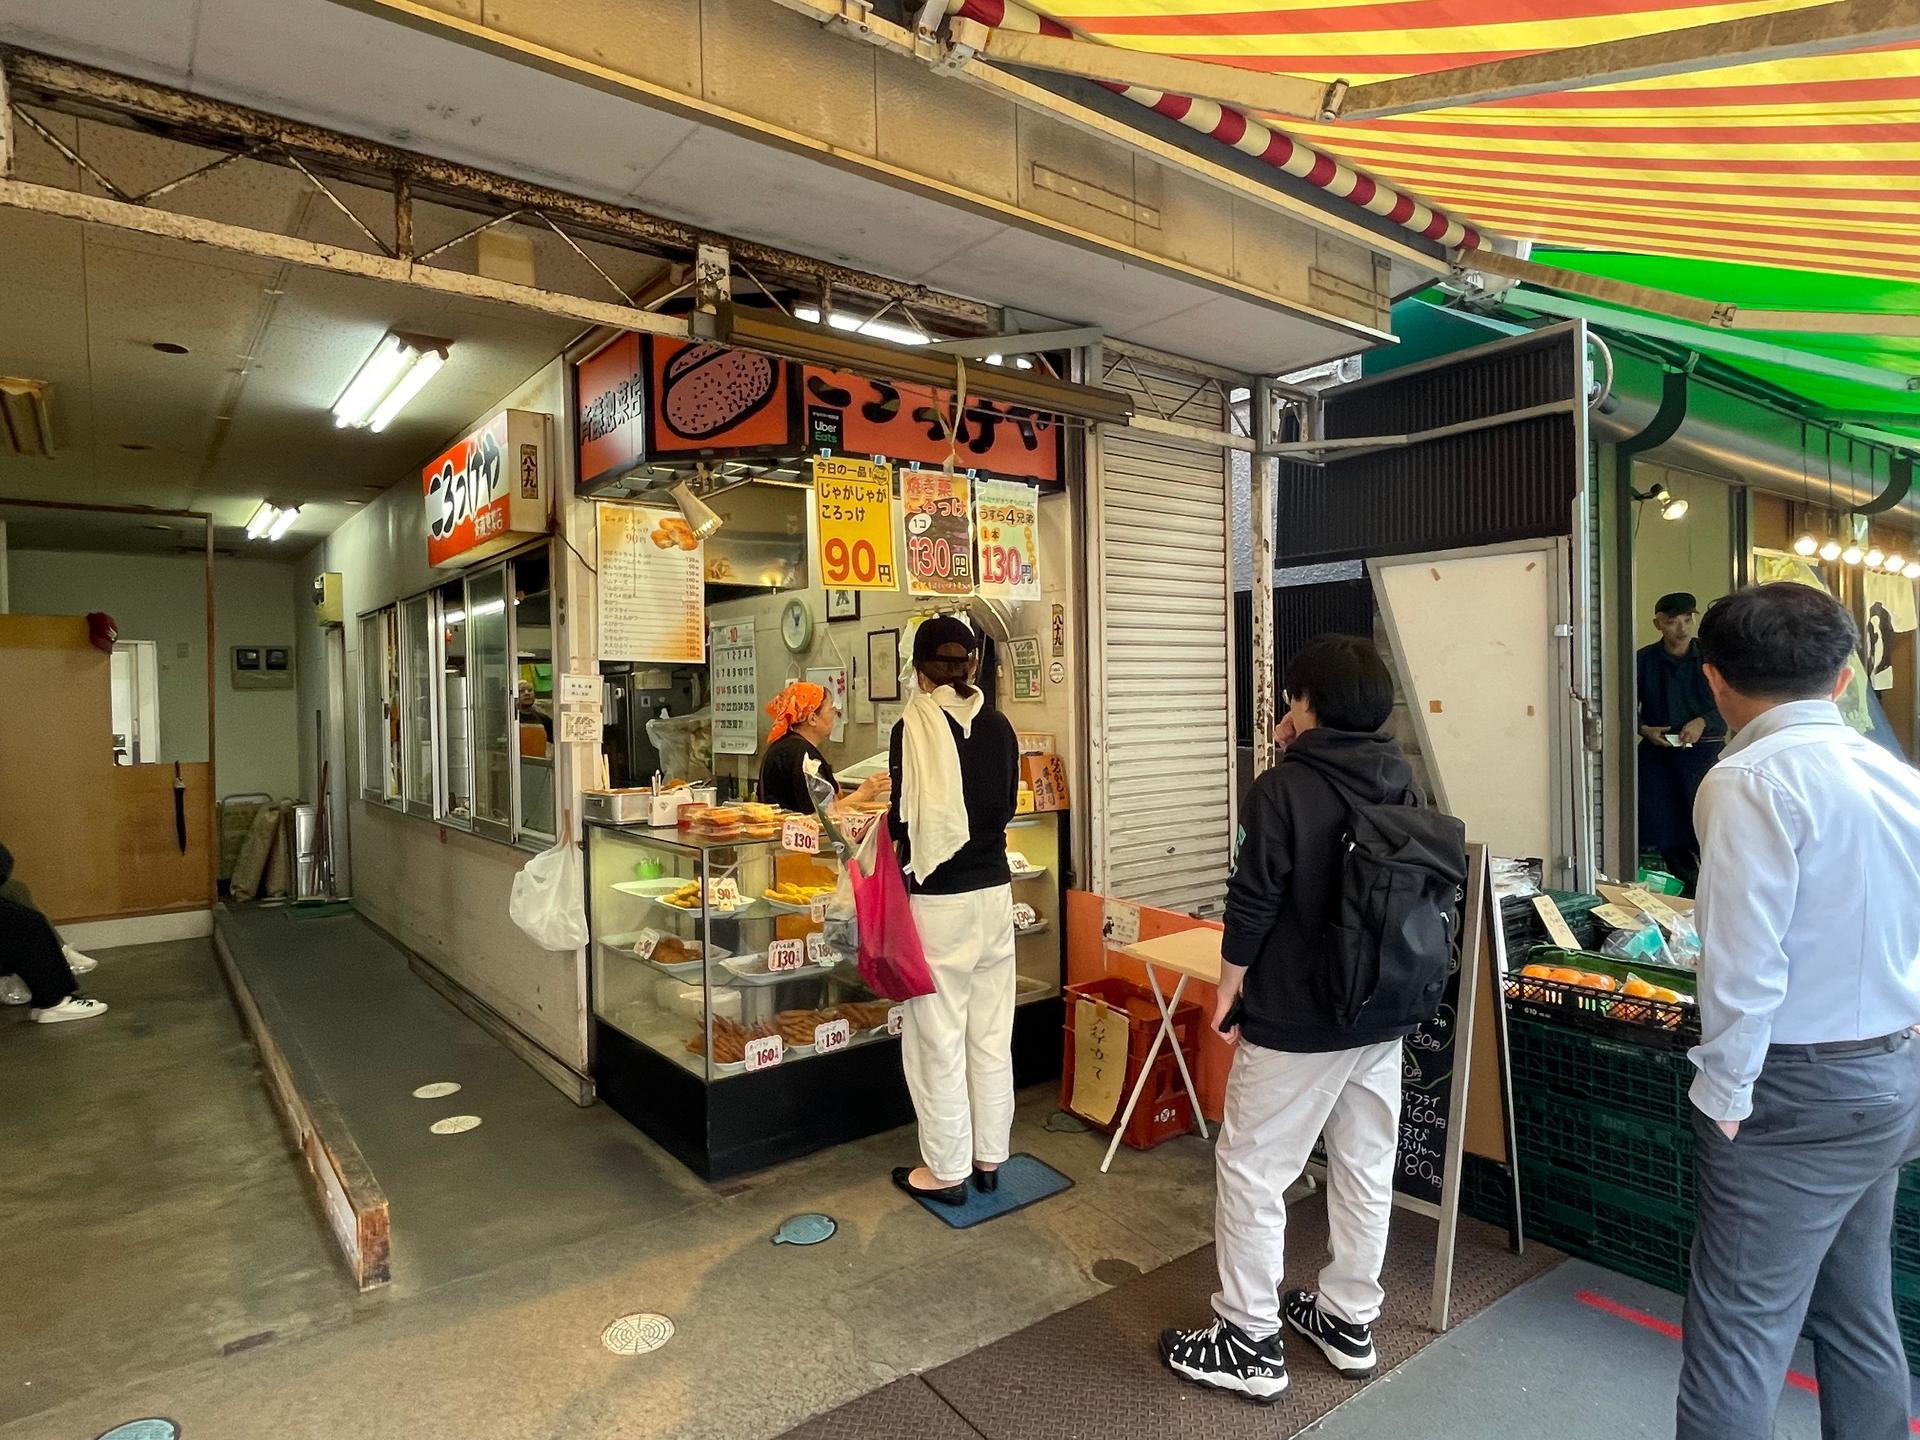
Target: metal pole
1265	503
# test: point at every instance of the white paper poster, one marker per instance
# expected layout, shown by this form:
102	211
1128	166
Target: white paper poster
834	682
1006	520
652	586
736	689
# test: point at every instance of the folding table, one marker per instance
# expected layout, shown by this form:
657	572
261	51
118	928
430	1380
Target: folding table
1191	955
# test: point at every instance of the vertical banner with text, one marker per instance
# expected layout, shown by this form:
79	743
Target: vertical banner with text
1006	518
853	502
939	526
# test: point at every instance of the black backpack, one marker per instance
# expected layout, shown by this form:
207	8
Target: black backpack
1395	914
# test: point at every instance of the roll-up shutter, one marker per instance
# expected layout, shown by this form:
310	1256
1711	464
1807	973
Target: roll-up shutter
1161	698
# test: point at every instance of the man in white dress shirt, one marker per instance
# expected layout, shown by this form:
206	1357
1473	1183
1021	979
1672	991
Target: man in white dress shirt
1808	1083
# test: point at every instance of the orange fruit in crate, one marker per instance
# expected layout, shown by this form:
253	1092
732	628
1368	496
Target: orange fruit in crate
1599	982
1537	972
1565	976
1660	992
1639	989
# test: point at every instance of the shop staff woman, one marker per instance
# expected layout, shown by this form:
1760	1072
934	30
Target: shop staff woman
803	716
956	770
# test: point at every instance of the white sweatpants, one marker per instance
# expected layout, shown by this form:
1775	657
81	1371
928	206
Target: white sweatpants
957	1043
1278	1103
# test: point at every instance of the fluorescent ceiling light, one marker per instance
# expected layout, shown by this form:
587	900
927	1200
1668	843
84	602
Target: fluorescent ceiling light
878	329
284	523
388	378
485	607
424	368
262	520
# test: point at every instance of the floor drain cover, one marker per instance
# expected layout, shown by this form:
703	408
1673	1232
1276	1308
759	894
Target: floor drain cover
143	1430
439	1090
1060	1122
455	1124
805	1230
1115	1272
637	1334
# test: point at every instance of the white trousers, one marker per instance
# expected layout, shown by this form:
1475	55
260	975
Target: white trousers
1277	1105
957	1043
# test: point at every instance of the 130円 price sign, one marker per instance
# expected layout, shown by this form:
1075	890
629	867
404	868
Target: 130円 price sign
939	525
853	505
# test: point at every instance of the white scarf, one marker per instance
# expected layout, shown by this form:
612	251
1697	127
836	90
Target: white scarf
931	802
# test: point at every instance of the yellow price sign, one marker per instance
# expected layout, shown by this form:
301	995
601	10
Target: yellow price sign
853	503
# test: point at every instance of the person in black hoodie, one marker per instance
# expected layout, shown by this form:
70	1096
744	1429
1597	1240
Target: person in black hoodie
1297	1073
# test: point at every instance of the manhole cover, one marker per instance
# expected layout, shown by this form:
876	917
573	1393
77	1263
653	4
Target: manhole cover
143	1430
637	1334
439	1090
1060	1122
805	1230
1115	1272
455	1124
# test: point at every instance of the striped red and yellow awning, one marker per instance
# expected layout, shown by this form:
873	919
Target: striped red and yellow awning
1809	163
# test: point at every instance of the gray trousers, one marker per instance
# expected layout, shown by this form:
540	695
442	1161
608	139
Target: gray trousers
1796	1225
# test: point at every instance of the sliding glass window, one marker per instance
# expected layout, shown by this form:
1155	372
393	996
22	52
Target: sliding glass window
532	576
456	732
417	691
490	693
380	706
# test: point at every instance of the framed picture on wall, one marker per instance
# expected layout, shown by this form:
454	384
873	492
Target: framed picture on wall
883	665
843	604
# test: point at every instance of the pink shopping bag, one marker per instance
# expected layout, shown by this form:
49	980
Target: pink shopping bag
892	961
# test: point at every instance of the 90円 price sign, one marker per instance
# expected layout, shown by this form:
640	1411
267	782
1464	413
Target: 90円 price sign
853	504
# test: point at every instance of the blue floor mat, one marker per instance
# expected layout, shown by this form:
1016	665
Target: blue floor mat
1024	1181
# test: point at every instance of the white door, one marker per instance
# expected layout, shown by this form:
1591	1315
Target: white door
135	671
1161	701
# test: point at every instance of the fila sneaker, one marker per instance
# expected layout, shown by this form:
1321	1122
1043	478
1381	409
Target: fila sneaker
1223	1357
1347	1346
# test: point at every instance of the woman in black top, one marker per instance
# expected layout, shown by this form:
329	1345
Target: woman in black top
803	716
956	771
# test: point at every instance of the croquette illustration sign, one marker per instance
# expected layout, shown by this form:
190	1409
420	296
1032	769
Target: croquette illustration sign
487	493
712	400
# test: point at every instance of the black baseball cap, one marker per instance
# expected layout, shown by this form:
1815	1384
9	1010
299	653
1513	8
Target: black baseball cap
944	637
1676	602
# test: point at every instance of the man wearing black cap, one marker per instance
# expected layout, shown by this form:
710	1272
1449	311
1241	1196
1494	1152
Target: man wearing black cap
1681	735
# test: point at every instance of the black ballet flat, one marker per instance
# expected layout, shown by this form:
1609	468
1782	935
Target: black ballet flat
947	1195
986	1181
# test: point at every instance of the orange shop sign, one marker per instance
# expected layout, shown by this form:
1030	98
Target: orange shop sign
489	492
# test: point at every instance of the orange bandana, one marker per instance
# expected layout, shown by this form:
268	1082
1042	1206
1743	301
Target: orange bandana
799	701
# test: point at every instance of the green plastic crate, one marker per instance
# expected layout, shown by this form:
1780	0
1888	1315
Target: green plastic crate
1627	1079
1589	1137
1633	1234
1485	1193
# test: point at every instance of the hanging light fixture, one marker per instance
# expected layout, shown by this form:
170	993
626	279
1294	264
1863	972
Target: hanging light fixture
1830	549
1876	557
1896	562
701	517
1672	507
396	371
1806	544
1912	570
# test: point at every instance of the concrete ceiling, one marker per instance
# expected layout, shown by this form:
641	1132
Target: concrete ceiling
243	415
31	528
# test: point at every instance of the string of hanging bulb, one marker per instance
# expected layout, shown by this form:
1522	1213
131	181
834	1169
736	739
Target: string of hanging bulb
1857	548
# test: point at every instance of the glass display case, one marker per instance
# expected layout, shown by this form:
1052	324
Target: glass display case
728	1027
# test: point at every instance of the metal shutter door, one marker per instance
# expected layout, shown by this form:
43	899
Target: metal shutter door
1163	698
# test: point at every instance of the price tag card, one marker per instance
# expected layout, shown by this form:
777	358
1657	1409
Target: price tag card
817	912
724	893
819	952
801	834
765	1053
786	955
896	1019
644	944
835	1035
1556	923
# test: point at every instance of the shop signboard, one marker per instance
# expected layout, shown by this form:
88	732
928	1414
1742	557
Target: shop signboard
852	415
939	526
1006	518
853	503
489	492
652	586
736	689
610	399
710	399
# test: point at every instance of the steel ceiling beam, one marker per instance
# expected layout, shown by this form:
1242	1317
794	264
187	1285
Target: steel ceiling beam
1202	79
1792	34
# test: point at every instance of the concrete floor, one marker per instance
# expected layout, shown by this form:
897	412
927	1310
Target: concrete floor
1549	1360
509	1345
